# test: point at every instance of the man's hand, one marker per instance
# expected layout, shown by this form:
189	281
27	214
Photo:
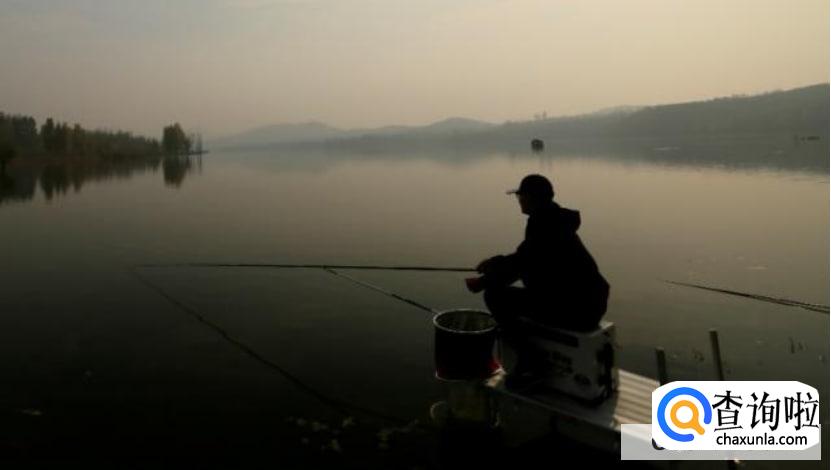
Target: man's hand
474	284
487	264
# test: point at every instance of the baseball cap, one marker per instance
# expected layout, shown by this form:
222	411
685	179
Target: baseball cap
535	185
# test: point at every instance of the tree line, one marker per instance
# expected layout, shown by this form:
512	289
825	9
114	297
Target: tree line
20	136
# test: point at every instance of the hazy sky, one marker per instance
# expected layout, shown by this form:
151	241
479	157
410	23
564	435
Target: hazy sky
220	66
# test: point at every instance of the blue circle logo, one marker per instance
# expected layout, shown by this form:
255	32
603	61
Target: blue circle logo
693	423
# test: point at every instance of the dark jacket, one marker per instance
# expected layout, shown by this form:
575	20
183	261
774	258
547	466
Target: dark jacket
553	263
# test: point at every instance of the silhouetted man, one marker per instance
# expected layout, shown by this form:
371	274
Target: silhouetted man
563	287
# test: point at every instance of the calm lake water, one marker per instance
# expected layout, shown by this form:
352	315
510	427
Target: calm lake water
96	359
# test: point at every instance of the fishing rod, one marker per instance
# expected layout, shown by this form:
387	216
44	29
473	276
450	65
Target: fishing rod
775	300
311	266
331	267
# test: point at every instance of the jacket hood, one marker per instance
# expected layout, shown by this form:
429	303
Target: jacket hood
557	218
569	219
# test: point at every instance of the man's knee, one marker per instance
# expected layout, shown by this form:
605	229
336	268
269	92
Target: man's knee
497	298
505	304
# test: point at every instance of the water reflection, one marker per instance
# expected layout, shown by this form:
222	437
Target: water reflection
21	177
175	168
18	188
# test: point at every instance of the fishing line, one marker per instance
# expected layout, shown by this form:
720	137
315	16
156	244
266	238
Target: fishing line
383	291
330	268
338	405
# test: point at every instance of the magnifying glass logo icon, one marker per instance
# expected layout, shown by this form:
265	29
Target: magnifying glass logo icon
696	423
692	423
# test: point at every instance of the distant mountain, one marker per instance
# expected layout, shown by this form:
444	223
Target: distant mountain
279	134
797	112
316	131
625	109
454	125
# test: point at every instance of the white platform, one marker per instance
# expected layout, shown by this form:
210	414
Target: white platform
539	410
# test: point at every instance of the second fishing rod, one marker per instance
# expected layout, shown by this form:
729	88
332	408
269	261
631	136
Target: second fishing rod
331	268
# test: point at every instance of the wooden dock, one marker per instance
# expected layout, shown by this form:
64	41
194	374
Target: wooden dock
527	413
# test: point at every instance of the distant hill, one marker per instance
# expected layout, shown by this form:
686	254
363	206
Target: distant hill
797	112
801	110
454	125
449	126
317	131
280	133
619	110
783	130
